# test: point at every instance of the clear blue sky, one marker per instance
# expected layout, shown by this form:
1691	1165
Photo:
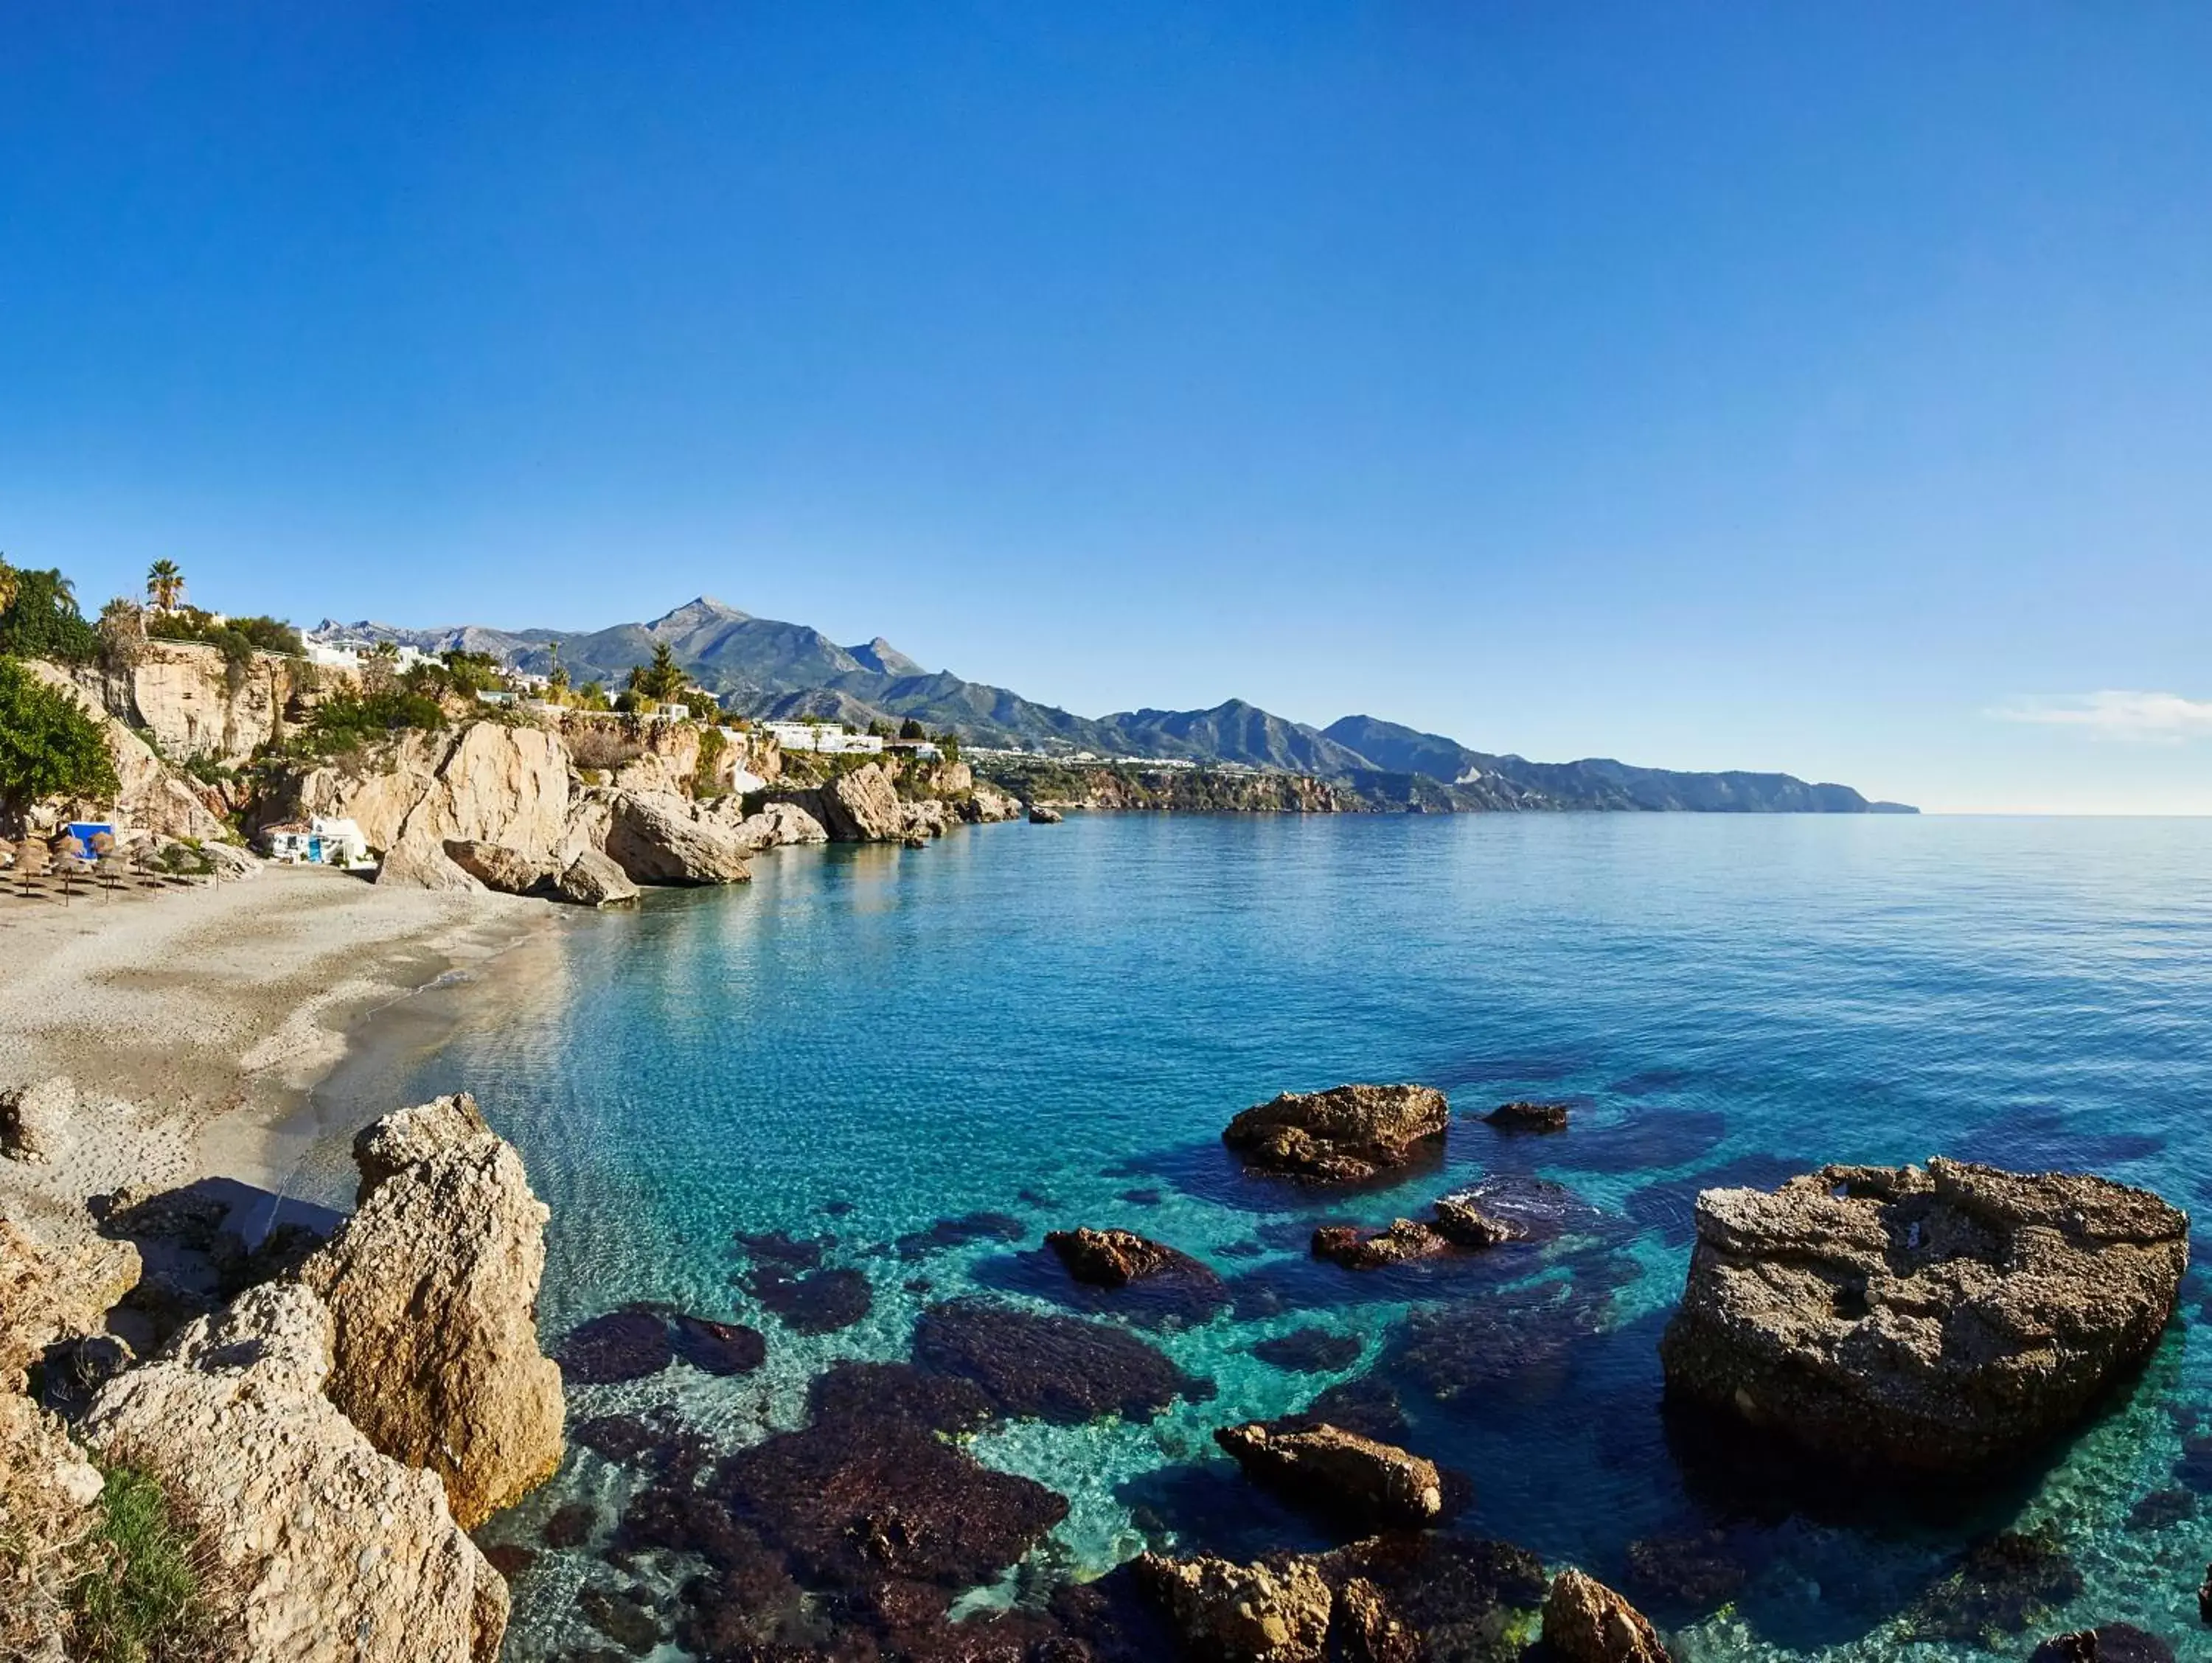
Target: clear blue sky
1826	388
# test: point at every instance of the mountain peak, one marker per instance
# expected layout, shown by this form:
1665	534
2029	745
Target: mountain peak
880	656
697	612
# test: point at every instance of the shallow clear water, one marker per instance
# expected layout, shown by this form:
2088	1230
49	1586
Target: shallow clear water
1056	1023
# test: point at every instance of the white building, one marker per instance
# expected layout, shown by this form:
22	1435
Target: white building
332	657
321	841
826	737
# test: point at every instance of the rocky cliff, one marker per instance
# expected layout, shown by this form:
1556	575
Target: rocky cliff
155	797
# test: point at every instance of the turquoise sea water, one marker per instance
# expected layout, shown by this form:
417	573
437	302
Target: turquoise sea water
1055	1023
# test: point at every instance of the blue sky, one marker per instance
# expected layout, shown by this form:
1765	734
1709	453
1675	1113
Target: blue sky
1820	388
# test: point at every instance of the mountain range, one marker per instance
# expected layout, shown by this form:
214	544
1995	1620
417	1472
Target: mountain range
763	668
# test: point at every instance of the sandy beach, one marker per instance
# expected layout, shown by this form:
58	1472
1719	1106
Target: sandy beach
194	1020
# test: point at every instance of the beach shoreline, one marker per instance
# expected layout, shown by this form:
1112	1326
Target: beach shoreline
200	1025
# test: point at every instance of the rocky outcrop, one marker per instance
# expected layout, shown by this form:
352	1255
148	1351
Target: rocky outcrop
34	1120
925	817
1464	1222
1042	815
2113	1643
1586	1622
433	1285
1274	1612
1938	1320
592	880
337	1554
1346	1134
1359	1481
659	839
857	807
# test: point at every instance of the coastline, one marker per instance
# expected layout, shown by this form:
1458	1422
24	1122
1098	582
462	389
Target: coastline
201	1026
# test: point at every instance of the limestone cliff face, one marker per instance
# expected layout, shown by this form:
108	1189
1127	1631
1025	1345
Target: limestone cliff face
433	1285
338	1554
859	807
197	705
155	797
486	782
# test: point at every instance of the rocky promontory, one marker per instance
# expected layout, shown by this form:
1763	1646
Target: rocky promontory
1936	1320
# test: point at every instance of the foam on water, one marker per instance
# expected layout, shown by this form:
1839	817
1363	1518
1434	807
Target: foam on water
1055	1024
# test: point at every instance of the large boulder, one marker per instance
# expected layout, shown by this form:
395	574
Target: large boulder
985	804
1586	1622
1359	1480
433	1285
1346	1134
1273	1611
490	782
657	838
336	1553
777	824
1937	1320
592	880
1114	1258
496	866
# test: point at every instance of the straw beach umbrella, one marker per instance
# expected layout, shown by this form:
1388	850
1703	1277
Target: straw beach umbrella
30	862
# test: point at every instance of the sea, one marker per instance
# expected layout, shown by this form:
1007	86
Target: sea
1049	1026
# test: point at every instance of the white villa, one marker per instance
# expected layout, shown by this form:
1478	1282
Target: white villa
321	841
828	738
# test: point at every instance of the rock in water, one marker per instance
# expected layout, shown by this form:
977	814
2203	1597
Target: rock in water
337	1554
592	880
655	839
1586	1622
1273	1611
1466	1223
1528	1117
1365	1483
1346	1134
1370	1250
433	1285
1042	816
1937	1320
1114	1259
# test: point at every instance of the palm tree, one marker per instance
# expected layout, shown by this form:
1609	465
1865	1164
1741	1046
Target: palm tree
165	585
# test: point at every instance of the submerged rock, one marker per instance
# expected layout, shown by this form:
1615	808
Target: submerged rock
814	1302
1057	1369
2113	1642
618	1346
1696	1570
1936	1320
1363	1482
326	1551
2003	1586
718	1348
1432	1597
969	1228
1586	1622
1346	1134
877	1393
1310	1350
1528	1117
433	1288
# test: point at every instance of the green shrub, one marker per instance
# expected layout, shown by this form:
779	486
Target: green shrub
351	720
41	620
48	746
145	1600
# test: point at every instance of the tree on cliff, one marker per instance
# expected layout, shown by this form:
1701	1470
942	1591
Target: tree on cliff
48	746
661	680
39	619
165	585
